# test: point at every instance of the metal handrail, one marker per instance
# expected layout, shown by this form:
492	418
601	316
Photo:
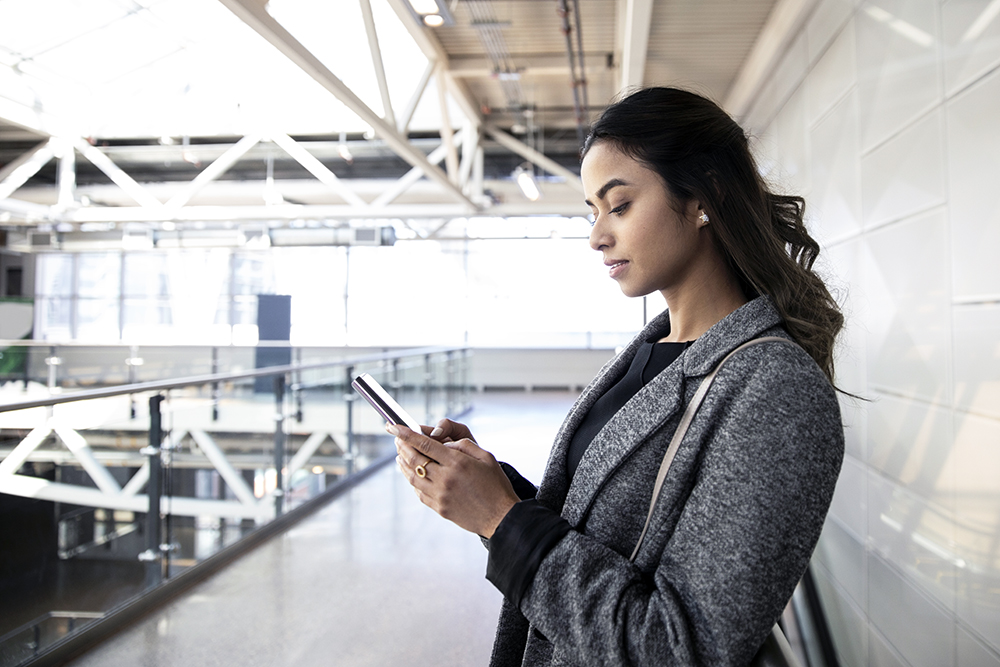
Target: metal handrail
161	385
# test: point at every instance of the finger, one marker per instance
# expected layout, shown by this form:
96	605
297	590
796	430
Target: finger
423	444
447	430
410	456
470	448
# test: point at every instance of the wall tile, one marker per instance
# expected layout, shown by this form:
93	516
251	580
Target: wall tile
847	622
881	653
843	556
850	500
971	31
899	72
910	442
824	24
977	358
832	76
973	653
918	629
792	144
914	535
835	193
790	72
905	174
976	463
909	331
974	198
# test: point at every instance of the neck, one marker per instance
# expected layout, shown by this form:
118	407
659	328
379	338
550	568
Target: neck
698	305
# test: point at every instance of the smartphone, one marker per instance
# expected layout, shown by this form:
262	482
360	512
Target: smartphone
383	403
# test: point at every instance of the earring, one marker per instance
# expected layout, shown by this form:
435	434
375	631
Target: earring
704	218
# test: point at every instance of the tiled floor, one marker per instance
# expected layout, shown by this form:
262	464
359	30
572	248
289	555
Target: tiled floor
374	578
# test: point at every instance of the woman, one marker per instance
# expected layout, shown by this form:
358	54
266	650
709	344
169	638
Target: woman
678	208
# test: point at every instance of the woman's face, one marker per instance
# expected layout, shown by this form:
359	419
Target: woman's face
647	245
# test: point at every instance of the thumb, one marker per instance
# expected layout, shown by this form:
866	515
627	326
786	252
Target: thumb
469	448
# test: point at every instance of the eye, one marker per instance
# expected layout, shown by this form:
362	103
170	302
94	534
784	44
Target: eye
592	219
618	210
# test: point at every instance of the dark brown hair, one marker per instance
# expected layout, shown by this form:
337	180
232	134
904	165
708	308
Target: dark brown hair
702	153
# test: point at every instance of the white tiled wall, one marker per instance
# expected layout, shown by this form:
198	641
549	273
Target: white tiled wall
885	115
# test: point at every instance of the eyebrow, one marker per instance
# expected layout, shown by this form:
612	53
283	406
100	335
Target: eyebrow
614	182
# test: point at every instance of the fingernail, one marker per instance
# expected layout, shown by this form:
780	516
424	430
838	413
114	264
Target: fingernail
391	429
437	431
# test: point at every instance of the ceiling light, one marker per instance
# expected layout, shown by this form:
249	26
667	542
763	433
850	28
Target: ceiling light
526	181
434	20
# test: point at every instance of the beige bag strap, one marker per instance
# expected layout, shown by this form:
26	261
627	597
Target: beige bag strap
682	428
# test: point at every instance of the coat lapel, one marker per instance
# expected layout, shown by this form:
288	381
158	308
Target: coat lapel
628	429
554	485
651	407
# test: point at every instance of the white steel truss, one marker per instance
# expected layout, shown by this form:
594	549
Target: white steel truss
458	187
110	495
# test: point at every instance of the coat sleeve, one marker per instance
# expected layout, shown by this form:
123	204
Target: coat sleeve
771	448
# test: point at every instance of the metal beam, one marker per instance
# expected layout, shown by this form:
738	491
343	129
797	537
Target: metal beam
317	169
533	156
433	51
138	480
447	134
383	87
306	452
81	450
409	178
19	455
67	176
24	167
634	36
42	489
783	25
120	178
219	166
233	478
255	15
418	92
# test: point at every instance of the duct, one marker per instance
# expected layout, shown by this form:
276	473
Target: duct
577	81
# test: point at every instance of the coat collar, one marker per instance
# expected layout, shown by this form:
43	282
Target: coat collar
652	406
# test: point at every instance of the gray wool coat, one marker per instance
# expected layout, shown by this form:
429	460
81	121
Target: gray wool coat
734	527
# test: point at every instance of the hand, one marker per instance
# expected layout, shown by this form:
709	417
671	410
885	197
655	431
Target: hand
449	431
463	482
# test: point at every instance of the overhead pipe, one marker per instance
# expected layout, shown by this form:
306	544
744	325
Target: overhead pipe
575	81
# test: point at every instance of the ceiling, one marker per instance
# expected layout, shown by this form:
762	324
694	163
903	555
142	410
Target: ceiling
147	112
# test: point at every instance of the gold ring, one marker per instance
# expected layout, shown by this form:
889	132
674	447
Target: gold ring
421	469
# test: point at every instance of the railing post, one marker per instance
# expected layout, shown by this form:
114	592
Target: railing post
151	556
215	385
349	402
279	443
428	417
298	386
53	362
449	386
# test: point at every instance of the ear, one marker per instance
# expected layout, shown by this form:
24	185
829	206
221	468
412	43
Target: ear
696	211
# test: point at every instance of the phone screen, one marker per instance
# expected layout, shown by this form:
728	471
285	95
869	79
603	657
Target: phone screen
383	403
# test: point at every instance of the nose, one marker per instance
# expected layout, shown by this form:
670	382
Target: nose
599	236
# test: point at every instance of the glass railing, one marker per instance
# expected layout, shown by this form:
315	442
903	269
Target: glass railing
129	483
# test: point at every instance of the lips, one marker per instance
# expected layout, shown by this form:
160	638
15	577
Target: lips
616	267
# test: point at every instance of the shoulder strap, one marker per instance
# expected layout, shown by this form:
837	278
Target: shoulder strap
682	428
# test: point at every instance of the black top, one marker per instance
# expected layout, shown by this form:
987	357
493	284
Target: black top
531	529
650	359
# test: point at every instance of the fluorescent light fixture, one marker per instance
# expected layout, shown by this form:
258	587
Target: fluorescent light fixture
433	13
526	181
